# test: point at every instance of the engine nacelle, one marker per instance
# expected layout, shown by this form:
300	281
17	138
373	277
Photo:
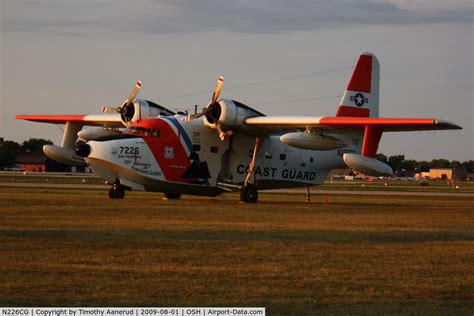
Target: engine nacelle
314	141
143	109
230	115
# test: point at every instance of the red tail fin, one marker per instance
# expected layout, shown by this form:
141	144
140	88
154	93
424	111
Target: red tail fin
361	98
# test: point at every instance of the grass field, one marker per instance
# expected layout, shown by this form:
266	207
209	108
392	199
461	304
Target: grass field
357	255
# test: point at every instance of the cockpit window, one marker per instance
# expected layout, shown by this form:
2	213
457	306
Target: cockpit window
136	130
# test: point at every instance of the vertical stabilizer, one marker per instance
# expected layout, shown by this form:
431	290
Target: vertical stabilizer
361	98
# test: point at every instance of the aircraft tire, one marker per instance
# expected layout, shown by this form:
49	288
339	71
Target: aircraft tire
172	196
116	193
249	194
120	193
112	193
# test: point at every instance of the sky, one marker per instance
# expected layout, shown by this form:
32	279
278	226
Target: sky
75	56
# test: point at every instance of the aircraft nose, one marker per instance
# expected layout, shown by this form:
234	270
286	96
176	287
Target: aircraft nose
82	150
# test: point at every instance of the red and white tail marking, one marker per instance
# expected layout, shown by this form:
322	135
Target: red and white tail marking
361	98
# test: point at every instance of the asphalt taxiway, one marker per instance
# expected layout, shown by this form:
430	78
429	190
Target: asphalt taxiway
296	191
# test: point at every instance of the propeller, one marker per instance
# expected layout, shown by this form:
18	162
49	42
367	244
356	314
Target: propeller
213	110
212	105
127	109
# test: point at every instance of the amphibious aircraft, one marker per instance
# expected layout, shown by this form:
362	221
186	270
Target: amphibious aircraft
229	146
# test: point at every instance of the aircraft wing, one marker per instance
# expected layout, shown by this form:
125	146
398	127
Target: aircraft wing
102	119
340	124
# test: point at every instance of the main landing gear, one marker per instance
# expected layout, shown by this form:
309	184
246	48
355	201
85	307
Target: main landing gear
249	193
116	192
172	196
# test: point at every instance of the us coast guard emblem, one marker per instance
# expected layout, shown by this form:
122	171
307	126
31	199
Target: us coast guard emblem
169	152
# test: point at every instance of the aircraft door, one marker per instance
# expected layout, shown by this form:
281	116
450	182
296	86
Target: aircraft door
227	162
293	157
196	165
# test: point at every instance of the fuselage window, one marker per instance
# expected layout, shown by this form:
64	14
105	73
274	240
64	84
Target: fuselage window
282	157
197	147
214	149
268	155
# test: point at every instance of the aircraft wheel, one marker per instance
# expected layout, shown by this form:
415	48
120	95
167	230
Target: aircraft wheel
173	196
249	194
120	193
112	193
116	193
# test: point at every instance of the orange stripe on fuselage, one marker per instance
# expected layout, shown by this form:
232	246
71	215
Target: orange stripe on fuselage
171	167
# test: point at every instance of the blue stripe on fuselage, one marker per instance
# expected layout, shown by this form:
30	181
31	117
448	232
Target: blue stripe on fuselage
185	137
181	132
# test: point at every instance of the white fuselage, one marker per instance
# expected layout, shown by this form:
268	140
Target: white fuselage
188	157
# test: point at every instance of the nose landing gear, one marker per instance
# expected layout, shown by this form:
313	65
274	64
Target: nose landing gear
116	192
172	196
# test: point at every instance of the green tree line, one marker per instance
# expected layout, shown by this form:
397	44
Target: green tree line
398	163
10	149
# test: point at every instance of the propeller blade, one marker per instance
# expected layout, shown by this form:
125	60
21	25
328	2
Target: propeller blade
109	109
215	97
135	90
220	132
217	90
